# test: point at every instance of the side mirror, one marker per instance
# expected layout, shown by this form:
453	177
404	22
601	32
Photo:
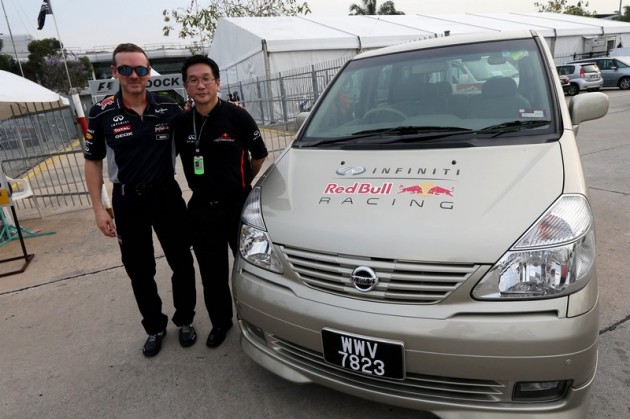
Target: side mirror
587	107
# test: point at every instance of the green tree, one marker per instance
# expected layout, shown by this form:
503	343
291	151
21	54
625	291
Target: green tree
45	66
625	17
562	6
202	23
38	51
8	63
369	8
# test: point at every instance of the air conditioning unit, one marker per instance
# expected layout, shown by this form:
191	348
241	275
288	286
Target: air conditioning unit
595	44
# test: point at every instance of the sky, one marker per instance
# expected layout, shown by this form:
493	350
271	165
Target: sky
84	24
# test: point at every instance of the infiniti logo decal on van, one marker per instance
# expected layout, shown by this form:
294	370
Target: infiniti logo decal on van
364	278
351	171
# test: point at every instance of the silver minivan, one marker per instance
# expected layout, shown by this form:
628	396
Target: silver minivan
430	249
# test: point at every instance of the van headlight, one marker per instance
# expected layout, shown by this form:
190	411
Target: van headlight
255	245
554	257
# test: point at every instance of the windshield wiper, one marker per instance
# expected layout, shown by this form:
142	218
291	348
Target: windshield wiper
426	133
512	126
407	129
411	134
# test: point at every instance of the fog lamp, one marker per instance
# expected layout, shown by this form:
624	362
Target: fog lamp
540	391
256	332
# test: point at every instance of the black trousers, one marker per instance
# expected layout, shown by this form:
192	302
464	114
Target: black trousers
138	209
215	227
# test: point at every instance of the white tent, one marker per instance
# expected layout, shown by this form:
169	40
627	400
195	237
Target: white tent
249	47
19	96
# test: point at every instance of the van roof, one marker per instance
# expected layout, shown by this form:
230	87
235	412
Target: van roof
447	41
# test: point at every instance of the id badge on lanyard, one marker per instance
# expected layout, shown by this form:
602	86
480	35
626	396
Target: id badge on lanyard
198	165
197	159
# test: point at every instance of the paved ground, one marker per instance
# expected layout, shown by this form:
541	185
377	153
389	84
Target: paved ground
71	335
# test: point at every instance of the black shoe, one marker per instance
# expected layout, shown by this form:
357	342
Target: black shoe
217	335
187	335
153	344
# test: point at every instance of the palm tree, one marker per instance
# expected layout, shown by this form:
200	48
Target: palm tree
369	8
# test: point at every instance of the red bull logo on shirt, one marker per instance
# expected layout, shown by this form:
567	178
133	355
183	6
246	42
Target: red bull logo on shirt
107	101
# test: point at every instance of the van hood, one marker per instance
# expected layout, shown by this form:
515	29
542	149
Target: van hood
465	205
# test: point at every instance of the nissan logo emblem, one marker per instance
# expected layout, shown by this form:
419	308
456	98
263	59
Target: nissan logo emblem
364	279
351	171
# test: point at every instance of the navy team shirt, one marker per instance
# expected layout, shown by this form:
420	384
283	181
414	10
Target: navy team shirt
139	149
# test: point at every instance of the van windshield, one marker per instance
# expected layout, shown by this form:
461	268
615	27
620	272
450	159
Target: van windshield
474	90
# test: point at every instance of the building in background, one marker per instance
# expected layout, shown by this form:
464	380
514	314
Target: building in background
21	46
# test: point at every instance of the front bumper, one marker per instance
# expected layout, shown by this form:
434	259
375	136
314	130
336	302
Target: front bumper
458	366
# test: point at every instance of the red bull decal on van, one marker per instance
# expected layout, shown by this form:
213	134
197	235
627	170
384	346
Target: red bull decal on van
359	189
426	189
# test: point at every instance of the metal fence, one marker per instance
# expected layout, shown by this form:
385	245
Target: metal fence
275	102
45	148
563	59
282	96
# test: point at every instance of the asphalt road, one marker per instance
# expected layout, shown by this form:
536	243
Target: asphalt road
71	335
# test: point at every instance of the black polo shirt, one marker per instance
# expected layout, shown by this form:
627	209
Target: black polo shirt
139	149
228	137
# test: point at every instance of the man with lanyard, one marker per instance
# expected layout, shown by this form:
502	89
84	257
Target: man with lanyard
221	151
132	129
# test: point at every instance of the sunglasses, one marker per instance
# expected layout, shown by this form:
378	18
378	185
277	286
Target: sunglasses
125	70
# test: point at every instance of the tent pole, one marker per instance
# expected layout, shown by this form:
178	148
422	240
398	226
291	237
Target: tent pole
13	41
73	93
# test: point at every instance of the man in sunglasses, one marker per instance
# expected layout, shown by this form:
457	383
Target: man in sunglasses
132	130
221	151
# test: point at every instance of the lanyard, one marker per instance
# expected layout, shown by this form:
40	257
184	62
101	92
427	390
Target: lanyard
197	137
197	158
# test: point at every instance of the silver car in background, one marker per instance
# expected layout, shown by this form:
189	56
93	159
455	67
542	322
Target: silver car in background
430	247
582	76
615	71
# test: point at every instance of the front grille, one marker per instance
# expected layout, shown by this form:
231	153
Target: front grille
399	281
415	386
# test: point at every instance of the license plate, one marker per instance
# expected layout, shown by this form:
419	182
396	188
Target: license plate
364	355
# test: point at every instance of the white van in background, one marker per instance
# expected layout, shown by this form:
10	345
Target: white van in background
428	249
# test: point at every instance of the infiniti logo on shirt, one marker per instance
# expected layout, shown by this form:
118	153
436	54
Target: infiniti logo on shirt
350	171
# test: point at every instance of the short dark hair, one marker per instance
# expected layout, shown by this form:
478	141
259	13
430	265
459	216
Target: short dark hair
201	59
128	47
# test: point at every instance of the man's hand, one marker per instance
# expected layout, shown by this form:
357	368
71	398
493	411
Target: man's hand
105	223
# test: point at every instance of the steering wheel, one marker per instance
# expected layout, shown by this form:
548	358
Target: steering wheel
384	114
